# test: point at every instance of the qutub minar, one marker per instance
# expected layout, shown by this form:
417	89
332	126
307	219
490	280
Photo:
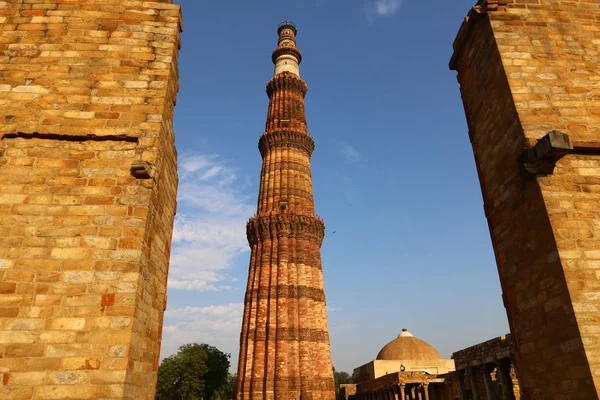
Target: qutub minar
284	343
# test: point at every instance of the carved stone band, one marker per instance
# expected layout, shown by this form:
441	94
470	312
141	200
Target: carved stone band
285	138
290	335
287	292
287	81
285	225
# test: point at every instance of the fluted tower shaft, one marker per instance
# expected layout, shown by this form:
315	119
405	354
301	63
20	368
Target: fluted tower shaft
284	343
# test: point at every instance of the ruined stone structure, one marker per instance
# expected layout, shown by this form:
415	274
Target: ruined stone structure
487	371
284	343
408	368
88	185
529	79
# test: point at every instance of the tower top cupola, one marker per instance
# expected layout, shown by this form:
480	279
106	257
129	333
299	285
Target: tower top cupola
286	56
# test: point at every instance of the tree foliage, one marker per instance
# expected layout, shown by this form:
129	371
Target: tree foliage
196	372
227	391
218	370
341	378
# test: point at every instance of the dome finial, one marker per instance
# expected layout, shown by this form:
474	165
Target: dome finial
405	333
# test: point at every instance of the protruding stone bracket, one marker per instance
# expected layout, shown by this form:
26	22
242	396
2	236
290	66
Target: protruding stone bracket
542	158
143	170
489	5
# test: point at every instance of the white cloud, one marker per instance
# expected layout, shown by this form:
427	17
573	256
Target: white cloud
218	326
333	309
382	8
350	153
210	228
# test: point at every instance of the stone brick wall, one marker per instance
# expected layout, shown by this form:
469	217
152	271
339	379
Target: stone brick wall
525	68
486	370
87	90
483	353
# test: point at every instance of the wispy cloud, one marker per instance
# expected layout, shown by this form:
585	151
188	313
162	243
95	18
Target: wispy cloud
333	309
350	153
210	226
382	8
216	325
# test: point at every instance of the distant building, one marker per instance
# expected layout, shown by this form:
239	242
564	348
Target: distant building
408	368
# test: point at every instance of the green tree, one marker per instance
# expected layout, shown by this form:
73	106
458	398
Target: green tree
196	372
218	370
341	378
227	391
181	376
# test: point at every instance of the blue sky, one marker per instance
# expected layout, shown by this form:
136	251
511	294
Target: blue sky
393	173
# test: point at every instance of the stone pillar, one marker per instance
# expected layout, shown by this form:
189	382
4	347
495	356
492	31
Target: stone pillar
426	390
88	187
516	388
403	391
539	199
390	392
461	383
487	381
503	374
420	392
472	372
413	393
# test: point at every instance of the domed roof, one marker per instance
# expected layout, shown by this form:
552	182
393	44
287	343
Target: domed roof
408	347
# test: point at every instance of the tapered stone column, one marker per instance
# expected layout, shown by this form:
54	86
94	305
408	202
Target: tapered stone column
284	344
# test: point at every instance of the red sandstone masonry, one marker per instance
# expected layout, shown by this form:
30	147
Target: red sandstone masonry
87	90
526	68
284	343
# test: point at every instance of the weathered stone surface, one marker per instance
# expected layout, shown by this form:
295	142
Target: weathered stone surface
87	90
527	68
284	344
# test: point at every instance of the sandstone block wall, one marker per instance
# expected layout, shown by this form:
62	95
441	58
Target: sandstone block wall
526	68
87	89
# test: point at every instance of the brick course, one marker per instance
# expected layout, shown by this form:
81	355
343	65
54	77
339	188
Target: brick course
87	90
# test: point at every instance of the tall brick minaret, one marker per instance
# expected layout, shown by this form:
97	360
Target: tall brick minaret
284	344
